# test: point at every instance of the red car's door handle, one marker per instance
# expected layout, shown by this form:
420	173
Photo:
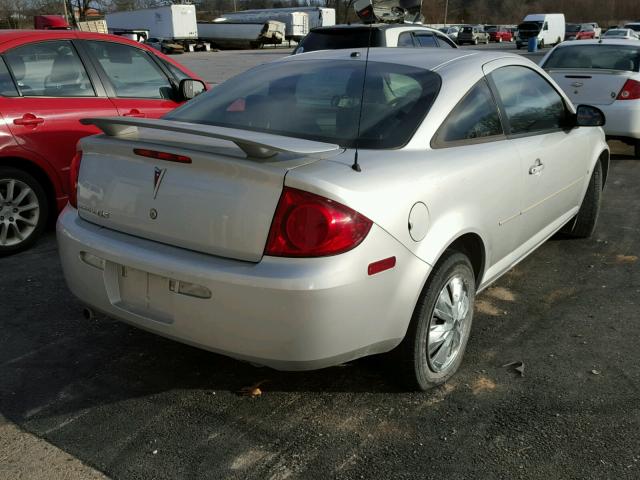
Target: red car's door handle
28	119
134	113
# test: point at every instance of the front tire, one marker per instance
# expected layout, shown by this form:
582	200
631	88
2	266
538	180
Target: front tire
585	222
23	210
436	339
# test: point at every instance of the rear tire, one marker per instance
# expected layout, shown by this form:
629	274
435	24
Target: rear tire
23	210
585	222
434	345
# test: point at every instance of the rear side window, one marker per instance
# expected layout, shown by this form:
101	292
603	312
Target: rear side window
49	69
7	87
474	120
531	104
131	71
599	56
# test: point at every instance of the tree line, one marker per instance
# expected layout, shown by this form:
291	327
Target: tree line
19	13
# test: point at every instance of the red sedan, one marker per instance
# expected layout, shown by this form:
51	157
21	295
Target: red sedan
49	80
579	31
500	34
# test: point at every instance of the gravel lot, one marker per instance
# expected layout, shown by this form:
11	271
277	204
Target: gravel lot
136	406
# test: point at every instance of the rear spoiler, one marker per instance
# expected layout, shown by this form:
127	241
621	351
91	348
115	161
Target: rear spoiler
253	144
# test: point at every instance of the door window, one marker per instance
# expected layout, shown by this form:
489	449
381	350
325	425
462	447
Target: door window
405	40
474	120
131	71
49	69
531	104
426	40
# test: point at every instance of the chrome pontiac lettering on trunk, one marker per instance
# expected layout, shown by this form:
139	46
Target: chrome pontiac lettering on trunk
158	175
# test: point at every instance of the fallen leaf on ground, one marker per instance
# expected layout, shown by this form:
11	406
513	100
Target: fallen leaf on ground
253	390
622	259
595	372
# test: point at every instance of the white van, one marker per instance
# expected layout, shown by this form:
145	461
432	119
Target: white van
548	28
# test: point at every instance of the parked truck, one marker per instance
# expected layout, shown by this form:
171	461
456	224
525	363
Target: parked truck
296	22
58	22
223	34
170	22
318	16
547	28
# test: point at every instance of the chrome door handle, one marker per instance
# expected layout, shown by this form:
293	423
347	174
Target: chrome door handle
537	168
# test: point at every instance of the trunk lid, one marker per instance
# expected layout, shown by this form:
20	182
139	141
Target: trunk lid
220	203
590	86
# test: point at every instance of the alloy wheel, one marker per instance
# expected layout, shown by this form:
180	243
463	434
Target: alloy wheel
19	212
447	329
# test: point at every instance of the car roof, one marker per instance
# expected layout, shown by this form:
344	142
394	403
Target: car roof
379	26
595	42
40	35
427	58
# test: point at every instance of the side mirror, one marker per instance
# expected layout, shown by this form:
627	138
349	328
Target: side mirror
190	88
588	116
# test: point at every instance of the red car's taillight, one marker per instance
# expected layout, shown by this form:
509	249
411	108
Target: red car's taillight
74	170
630	91
308	225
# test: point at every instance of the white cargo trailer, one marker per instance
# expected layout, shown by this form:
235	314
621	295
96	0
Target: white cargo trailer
173	22
318	16
297	23
242	35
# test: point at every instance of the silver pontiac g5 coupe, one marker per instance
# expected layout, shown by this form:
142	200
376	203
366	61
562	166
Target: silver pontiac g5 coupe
310	211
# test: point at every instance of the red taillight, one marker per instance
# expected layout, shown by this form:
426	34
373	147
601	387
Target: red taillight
630	91
169	157
308	225
74	171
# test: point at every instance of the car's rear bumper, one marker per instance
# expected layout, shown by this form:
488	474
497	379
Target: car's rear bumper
290	314
622	118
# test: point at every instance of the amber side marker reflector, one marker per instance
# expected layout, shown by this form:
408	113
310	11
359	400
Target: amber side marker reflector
381	265
169	157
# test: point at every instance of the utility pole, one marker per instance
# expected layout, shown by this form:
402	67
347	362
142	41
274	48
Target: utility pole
64	9
446	11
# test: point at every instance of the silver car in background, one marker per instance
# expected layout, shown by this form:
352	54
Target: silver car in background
263	221
606	74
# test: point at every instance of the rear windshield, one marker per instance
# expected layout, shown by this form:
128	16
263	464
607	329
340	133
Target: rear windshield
616	33
633	26
320	100
600	56
340	38
467	29
573	28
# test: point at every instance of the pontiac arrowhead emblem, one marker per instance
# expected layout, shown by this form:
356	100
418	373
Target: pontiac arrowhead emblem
158	175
